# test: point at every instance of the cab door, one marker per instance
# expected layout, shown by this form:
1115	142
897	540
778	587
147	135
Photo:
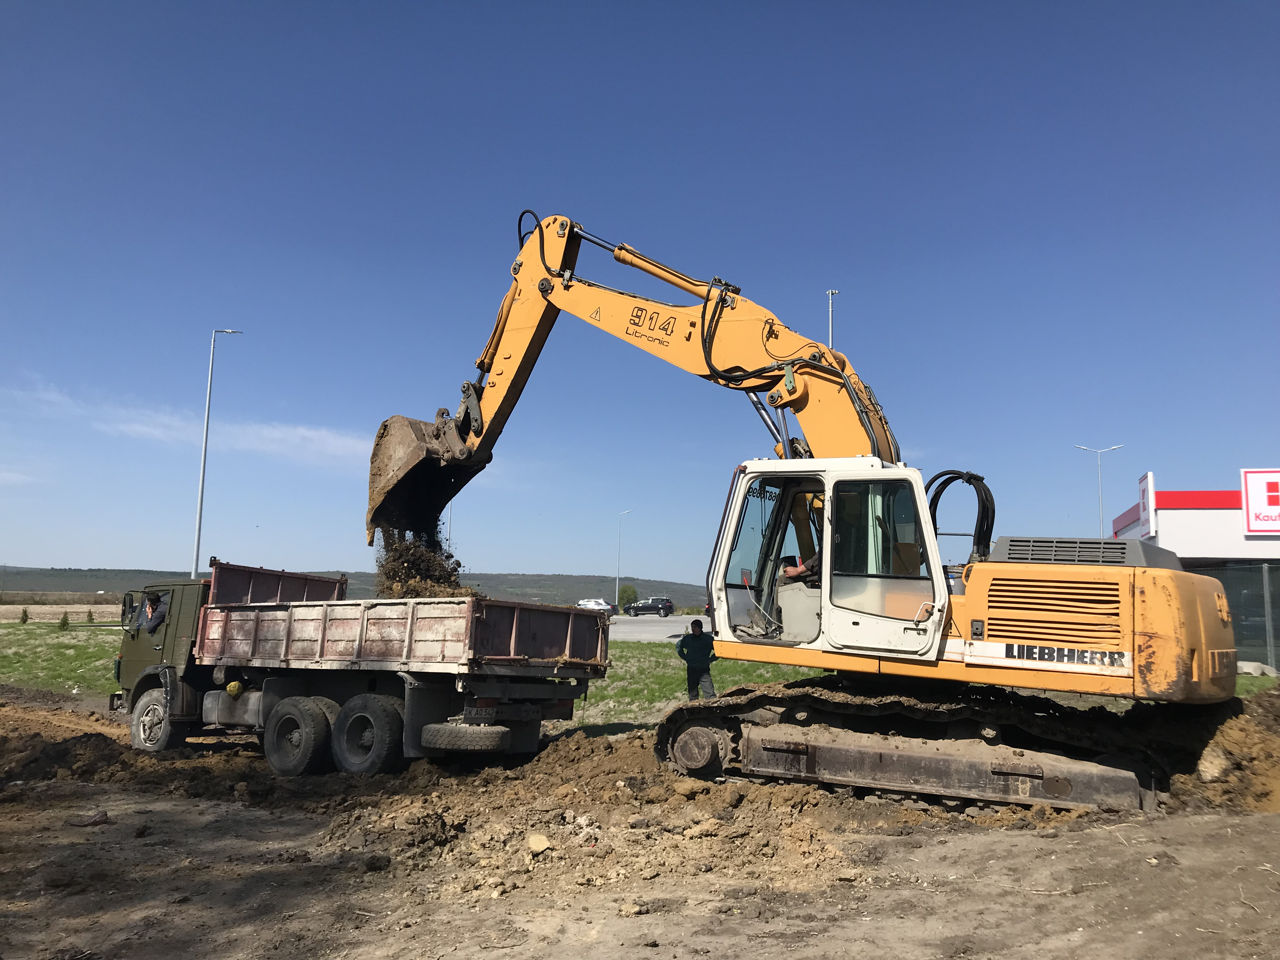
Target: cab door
176	634
138	649
884	588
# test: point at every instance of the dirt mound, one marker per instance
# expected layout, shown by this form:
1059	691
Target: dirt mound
81	757
592	848
1239	767
586	811
594	811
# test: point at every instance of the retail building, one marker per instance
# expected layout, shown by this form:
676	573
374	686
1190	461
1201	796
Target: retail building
1232	535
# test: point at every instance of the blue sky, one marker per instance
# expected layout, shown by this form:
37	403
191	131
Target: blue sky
1050	224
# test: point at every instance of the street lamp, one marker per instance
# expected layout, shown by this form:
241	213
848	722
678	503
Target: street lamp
830	294
1099	453
617	581
204	450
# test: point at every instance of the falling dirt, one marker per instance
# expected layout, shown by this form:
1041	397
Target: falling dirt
418	565
592	849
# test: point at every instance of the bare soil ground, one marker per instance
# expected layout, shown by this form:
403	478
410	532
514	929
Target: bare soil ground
592	850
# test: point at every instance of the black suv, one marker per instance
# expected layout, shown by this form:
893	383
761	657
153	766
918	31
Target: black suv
662	606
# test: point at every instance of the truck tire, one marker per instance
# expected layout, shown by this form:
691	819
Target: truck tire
368	736
330	708
150	728
296	737
464	738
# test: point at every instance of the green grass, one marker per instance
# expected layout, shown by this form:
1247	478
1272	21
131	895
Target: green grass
646	679
1247	686
41	657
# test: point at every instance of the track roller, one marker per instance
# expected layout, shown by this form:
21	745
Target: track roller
700	749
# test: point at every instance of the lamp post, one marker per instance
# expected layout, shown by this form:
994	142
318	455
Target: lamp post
204	450
1099	453
830	294
617	581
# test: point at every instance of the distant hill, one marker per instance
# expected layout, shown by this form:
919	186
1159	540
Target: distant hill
531	587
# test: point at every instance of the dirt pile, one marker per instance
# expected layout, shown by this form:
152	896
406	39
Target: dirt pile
81	757
1239	767
417	566
588	811
593	849
591	811
599	812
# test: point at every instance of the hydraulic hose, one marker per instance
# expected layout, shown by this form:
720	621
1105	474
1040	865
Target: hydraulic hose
985	521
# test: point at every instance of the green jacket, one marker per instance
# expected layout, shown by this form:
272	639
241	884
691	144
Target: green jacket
695	649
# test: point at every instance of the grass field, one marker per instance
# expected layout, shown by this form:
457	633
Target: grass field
644	680
1248	686
76	661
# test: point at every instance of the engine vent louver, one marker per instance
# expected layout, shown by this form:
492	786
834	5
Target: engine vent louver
1055	550
1055	596
1054	611
1116	553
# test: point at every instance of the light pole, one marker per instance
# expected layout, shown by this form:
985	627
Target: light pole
1099	453
830	294
617	581
204	450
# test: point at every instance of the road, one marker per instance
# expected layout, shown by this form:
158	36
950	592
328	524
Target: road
650	628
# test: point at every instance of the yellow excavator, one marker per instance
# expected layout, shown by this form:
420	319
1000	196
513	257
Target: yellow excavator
921	658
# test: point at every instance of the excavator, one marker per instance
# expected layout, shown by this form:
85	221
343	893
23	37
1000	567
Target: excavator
923	670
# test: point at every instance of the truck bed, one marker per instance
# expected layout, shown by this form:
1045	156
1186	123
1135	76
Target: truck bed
435	635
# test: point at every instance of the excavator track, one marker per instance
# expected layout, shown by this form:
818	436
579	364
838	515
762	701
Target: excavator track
935	740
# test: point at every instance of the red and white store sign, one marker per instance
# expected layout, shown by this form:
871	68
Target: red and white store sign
1260	500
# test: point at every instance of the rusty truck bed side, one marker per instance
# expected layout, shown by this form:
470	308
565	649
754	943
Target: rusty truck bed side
436	635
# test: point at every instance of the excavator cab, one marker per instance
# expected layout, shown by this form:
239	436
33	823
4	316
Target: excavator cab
879	585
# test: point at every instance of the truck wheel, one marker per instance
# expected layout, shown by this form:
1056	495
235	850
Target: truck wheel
150	728
633	613
368	736
296	738
464	738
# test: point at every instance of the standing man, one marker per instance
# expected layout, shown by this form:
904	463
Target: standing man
694	648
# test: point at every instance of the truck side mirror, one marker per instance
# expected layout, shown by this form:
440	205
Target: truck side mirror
128	612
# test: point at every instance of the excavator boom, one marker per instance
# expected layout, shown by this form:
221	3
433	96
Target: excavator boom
418	467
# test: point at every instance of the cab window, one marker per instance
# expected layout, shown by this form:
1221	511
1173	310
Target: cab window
879	561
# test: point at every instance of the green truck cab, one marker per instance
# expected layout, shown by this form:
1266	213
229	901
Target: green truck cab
154	659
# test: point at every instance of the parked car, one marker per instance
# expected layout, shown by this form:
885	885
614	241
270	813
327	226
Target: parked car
597	604
662	606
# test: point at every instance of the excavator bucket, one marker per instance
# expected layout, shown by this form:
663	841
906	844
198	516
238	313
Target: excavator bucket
415	470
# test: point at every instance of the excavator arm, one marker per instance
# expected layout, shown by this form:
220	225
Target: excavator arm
418	467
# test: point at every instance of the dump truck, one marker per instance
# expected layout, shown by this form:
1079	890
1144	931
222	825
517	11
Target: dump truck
356	685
